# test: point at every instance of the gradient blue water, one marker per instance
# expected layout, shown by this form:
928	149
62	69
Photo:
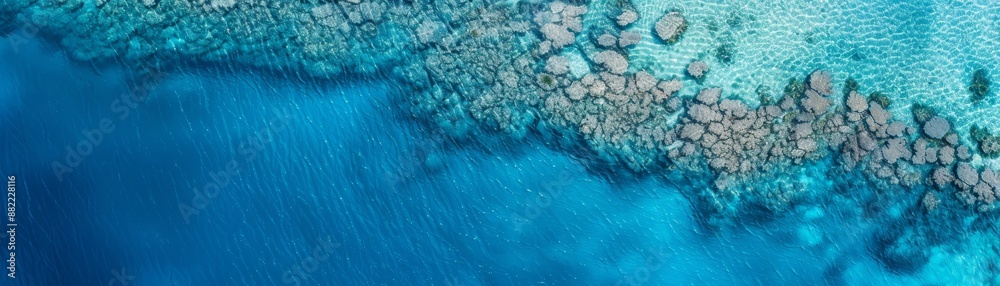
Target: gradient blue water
403	207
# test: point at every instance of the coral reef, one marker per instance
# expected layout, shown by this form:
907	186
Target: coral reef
850	85
989	144
881	98
511	69
980	85
724	53
930	201
922	113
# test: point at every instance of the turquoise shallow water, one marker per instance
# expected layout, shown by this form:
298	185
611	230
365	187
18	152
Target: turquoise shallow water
338	182
913	51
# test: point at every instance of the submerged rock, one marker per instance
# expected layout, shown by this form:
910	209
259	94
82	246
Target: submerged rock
627	17
558	35
963	152
697	69
644	81
670	27
607	40
990	177
937	127
984	193
704	114
629	39
431	31
709	95
820	82
557	65
951	139
942	176
815	103
692	131
613	61
576	91
967	174
946	155
930	201
856	102
895	149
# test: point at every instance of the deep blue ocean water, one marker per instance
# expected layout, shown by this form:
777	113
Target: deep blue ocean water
334	184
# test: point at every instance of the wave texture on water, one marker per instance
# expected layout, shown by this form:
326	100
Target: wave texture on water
799	120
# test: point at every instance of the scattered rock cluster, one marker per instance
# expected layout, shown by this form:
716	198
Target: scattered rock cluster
559	25
739	143
624	116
